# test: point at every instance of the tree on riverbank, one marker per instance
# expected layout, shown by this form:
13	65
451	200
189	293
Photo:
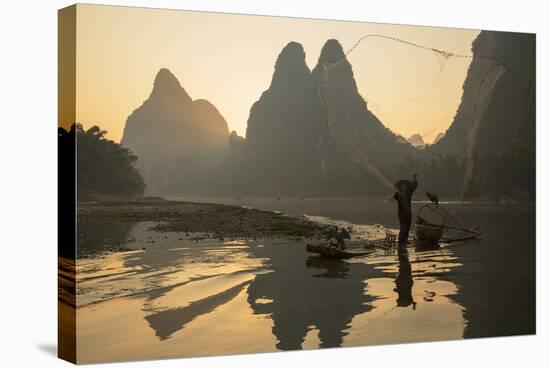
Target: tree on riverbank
104	168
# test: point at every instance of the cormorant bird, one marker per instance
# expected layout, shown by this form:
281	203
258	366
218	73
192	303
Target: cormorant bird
433	197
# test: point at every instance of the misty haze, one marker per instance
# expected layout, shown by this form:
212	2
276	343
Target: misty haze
303	191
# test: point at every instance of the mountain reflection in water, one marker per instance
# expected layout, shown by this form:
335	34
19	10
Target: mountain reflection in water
190	298
319	294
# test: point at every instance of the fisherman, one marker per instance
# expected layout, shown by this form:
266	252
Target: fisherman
403	196
336	237
341	236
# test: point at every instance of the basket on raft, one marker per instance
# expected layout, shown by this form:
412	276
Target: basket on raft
426	231
429	233
432	233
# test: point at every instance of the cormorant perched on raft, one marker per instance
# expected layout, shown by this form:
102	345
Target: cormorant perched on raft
434	198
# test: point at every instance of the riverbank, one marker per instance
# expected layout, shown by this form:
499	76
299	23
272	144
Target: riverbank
203	220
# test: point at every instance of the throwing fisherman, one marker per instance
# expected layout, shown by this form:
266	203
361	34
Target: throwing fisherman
403	196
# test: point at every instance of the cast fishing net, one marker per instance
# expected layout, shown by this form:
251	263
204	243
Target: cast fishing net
357	126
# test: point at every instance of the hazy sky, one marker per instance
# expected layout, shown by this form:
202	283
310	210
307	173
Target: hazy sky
228	59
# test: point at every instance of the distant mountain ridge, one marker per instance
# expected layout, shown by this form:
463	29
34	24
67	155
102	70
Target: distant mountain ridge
289	148
179	141
416	140
311	133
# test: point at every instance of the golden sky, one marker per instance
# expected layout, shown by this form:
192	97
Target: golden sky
228	59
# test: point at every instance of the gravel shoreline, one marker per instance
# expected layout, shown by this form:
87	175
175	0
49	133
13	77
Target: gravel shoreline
215	220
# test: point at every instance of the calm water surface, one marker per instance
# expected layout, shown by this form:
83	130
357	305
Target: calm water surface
172	296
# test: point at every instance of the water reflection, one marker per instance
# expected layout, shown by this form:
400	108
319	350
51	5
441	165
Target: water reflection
494	276
167	322
183	298
411	299
404	280
324	296
330	268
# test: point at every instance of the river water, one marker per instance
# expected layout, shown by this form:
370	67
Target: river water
170	296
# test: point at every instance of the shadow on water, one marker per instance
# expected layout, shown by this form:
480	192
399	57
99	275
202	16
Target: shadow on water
324	295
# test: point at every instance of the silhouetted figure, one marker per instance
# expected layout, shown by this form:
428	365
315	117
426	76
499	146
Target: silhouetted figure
403	197
433	197
336	237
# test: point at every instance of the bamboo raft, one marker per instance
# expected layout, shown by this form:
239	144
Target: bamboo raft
353	249
425	233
